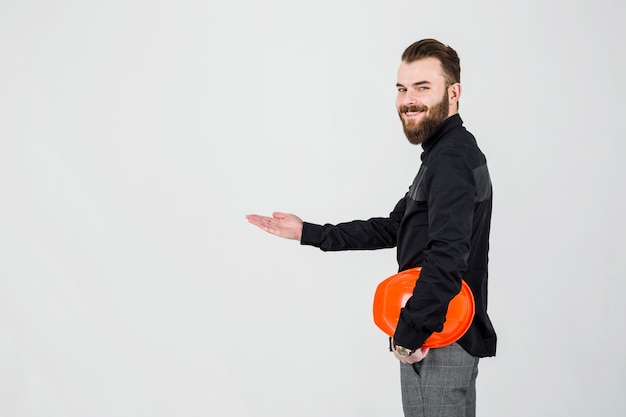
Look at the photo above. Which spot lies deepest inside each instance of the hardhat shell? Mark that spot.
(392, 294)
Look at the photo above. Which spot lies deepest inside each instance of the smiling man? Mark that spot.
(441, 224)
(426, 97)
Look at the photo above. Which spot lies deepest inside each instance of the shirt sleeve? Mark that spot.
(450, 191)
(375, 233)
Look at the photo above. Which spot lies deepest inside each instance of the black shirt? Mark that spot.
(441, 224)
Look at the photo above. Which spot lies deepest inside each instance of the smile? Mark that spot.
(411, 115)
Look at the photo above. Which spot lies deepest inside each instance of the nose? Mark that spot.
(408, 98)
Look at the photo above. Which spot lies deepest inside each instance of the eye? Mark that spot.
(422, 88)
(401, 90)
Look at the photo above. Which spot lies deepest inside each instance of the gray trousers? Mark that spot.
(441, 385)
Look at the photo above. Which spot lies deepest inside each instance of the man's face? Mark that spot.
(423, 100)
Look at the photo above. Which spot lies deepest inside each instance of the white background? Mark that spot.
(136, 135)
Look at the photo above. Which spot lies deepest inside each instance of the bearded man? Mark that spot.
(441, 224)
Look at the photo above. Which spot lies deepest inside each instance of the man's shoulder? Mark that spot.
(460, 145)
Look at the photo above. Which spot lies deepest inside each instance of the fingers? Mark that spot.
(255, 219)
(264, 222)
(419, 355)
(271, 225)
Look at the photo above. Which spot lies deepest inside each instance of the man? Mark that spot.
(441, 224)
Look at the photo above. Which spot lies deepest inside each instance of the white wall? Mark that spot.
(135, 136)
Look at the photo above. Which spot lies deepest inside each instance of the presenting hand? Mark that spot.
(288, 226)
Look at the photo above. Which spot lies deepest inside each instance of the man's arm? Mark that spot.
(375, 233)
(451, 192)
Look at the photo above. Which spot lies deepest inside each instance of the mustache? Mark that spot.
(404, 109)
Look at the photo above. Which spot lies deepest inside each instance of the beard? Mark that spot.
(418, 133)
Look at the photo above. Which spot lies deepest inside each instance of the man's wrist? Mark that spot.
(403, 351)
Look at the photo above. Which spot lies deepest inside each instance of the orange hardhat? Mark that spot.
(392, 294)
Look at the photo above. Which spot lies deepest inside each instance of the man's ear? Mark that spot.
(454, 94)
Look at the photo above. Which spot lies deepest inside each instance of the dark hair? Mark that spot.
(431, 48)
